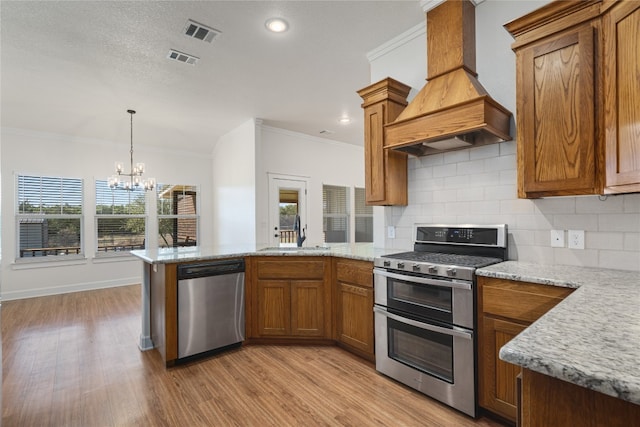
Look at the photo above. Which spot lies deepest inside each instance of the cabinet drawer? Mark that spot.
(298, 268)
(519, 300)
(355, 272)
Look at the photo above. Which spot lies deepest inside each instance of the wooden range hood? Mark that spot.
(452, 111)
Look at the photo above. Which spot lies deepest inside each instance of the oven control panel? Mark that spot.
(475, 235)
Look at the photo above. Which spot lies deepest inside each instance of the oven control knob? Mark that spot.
(433, 269)
(400, 265)
(386, 264)
(416, 267)
(451, 272)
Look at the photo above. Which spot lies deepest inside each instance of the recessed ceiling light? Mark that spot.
(344, 120)
(277, 25)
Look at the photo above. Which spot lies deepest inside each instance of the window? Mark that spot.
(49, 216)
(364, 217)
(335, 214)
(177, 215)
(120, 219)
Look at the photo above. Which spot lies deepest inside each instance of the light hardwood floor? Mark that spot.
(72, 360)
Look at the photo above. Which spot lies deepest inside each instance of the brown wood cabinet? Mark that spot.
(353, 287)
(289, 297)
(385, 170)
(548, 401)
(506, 308)
(573, 58)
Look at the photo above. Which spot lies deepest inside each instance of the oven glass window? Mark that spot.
(426, 351)
(425, 300)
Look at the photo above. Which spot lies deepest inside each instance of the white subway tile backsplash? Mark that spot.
(508, 147)
(610, 241)
(556, 205)
(485, 179)
(582, 257)
(631, 242)
(469, 194)
(632, 203)
(500, 192)
(507, 162)
(508, 177)
(593, 204)
(442, 196)
(458, 181)
(517, 206)
(444, 170)
(576, 222)
(471, 168)
(456, 156)
(619, 222)
(620, 260)
(479, 185)
(484, 152)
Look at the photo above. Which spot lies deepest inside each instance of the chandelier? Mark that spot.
(132, 180)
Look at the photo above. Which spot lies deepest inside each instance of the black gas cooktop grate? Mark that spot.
(448, 259)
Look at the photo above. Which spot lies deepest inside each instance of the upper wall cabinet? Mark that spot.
(578, 98)
(385, 170)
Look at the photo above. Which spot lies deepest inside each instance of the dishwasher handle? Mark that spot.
(211, 268)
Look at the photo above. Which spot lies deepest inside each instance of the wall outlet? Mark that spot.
(557, 238)
(576, 239)
(391, 232)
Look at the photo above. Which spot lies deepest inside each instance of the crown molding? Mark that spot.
(399, 40)
(427, 5)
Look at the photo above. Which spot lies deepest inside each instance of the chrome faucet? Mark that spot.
(301, 231)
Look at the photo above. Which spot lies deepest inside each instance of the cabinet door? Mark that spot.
(497, 389)
(355, 316)
(274, 307)
(622, 97)
(374, 164)
(307, 308)
(556, 115)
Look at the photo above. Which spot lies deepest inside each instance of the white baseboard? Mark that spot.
(41, 292)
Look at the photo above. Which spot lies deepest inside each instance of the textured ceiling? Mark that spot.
(75, 67)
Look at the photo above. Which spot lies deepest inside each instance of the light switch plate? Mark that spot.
(557, 238)
(576, 239)
(391, 232)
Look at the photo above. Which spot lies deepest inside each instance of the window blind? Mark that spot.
(335, 214)
(49, 216)
(120, 219)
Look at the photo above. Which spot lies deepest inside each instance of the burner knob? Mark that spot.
(386, 264)
(433, 269)
(451, 272)
(416, 267)
(400, 265)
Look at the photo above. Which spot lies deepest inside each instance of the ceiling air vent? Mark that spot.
(182, 57)
(200, 32)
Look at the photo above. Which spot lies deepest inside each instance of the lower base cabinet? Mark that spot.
(354, 306)
(506, 308)
(548, 401)
(289, 297)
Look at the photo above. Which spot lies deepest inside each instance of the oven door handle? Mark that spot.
(456, 332)
(422, 280)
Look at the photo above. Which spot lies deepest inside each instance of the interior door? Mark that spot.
(287, 198)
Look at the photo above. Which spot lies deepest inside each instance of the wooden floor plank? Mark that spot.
(72, 360)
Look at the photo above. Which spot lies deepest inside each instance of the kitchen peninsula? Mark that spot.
(580, 359)
(159, 289)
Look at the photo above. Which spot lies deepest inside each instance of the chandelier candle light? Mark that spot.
(135, 173)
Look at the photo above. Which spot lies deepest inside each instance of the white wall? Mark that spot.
(322, 161)
(27, 152)
(234, 186)
(478, 185)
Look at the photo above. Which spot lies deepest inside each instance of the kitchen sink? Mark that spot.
(295, 249)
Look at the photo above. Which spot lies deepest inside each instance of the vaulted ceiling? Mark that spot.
(75, 67)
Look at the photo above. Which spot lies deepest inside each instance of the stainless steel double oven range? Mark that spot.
(425, 310)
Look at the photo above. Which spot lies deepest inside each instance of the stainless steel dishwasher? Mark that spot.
(210, 306)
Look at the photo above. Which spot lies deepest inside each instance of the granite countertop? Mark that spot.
(357, 251)
(592, 338)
